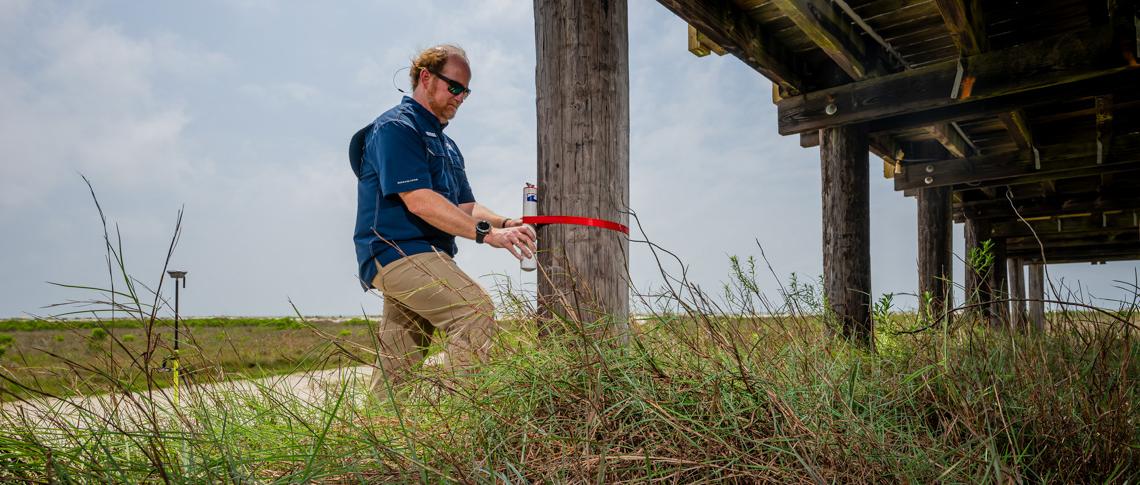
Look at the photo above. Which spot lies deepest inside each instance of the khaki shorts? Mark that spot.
(423, 293)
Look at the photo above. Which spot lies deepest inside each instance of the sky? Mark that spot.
(239, 113)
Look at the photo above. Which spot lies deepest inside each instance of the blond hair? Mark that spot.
(433, 59)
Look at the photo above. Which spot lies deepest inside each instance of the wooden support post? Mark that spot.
(1016, 273)
(999, 282)
(847, 230)
(935, 251)
(979, 291)
(582, 83)
(1036, 297)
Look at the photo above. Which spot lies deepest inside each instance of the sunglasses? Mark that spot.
(453, 87)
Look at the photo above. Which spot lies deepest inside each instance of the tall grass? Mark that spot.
(745, 388)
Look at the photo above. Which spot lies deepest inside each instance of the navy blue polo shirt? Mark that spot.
(403, 150)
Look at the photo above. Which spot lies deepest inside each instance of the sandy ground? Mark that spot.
(82, 411)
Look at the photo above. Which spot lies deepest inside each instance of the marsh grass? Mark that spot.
(742, 388)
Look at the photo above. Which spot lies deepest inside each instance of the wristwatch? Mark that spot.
(482, 229)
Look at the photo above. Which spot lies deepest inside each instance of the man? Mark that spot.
(413, 200)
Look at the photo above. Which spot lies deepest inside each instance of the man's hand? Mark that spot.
(519, 240)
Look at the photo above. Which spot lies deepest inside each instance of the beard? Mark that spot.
(442, 107)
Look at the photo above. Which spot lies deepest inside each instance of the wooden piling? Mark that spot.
(1036, 297)
(1016, 274)
(846, 229)
(582, 83)
(935, 250)
(979, 291)
(999, 284)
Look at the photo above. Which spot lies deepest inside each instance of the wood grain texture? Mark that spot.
(1015, 270)
(1023, 74)
(999, 283)
(1048, 162)
(978, 284)
(935, 249)
(846, 229)
(1036, 296)
(582, 83)
(732, 28)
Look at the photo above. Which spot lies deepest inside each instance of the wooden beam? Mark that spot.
(809, 139)
(1063, 66)
(1103, 240)
(1092, 224)
(829, 28)
(700, 45)
(1048, 207)
(731, 28)
(1080, 255)
(964, 21)
(1047, 162)
(951, 138)
(1036, 297)
(833, 31)
(847, 230)
(1018, 128)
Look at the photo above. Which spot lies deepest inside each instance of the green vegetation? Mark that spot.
(688, 398)
(5, 342)
(702, 390)
(68, 362)
(24, 324)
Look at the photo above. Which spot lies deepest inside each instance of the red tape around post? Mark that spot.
(578, 221)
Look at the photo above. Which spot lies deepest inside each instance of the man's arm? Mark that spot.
(432, 207)
(436, 210)
(482, 213)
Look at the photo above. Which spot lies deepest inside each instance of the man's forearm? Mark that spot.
(482, 213)
(440, 212)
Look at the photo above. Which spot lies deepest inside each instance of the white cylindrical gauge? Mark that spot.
(530, 209)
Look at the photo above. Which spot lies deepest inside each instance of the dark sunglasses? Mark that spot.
(453, 87)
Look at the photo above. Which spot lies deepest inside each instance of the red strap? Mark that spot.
(578, 221)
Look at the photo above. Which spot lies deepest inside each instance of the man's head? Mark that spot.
(440, 76)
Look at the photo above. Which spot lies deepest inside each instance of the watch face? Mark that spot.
(483, 227)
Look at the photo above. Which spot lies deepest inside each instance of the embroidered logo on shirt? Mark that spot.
(408, 181)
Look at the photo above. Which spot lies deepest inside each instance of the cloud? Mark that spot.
(83, 97)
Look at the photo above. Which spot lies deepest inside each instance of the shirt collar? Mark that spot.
(424, 114)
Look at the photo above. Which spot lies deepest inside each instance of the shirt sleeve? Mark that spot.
(401, 161)
(465, 195)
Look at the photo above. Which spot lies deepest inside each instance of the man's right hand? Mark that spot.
(519, 240)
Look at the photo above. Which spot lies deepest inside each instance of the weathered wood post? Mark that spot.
(999, 285)
(846, 229)
(979, 291)
(935, 250)
(1016, 273)
(1036, 296)
(582, 82)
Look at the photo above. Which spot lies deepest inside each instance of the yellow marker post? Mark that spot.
(178, 276)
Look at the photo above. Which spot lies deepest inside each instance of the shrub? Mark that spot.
(5, 342)
(98, 334)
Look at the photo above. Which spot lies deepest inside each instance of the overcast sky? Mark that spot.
(240, 111)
